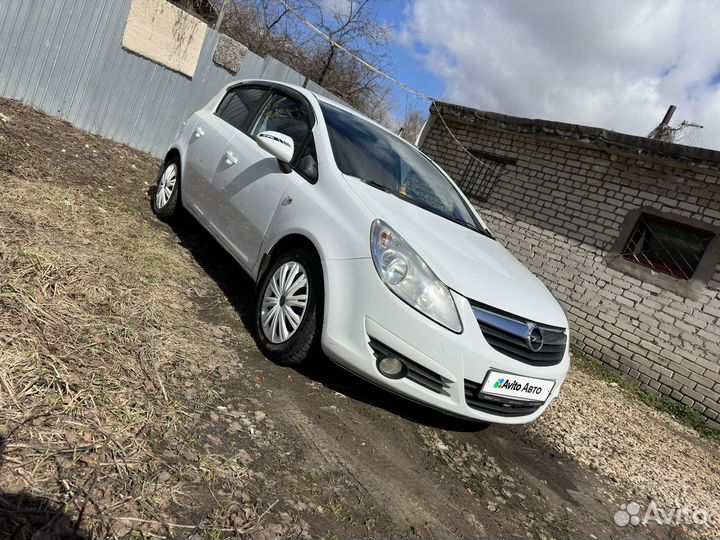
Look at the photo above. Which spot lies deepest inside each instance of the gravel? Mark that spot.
(644, 451)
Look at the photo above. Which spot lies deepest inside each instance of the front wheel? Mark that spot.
(288, 311)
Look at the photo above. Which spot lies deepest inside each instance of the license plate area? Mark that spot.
(516, 388)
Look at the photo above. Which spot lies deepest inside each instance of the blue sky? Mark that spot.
(408, 65)
(407, 68)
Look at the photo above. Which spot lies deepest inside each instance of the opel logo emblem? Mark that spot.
(534, 338)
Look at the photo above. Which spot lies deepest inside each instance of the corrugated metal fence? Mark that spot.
(64, 58)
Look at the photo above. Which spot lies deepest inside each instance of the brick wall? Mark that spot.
(559, 210)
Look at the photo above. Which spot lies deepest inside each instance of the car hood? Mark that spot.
(468, 262)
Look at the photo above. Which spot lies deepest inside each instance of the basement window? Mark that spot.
(482, 174)
(666, 246)
(671, 251)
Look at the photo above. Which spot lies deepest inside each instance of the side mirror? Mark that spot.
(279, 145)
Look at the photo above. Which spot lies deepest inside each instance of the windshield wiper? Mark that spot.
(381, 187)
(450, 217)
(461, 222)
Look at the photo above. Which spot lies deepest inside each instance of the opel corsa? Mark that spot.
(362, 246)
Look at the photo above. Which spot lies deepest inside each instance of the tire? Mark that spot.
(166, 199)
(302, 343)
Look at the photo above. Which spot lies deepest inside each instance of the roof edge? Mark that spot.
(599, 137)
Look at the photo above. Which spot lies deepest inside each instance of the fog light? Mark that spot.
(391, 367)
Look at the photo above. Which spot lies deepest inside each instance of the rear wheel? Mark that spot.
(167, 193)
(288, 311)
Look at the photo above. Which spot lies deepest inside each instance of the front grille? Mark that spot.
(508, 334)
(415, 372)
(495, 404)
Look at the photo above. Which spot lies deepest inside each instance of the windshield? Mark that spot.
(369, 153)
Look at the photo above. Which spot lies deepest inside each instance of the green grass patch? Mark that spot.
(682, 413)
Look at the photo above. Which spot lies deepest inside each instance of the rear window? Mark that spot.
(237, 105)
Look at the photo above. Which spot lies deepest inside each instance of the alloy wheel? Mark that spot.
(284, 302)
(166, 186)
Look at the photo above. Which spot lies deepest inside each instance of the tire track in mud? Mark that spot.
(358, 448)
(399, 488)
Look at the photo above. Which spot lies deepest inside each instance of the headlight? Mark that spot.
(407, 275)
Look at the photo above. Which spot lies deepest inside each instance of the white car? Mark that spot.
(362, 246)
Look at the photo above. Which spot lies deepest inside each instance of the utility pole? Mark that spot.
(663, 132)
(221, 15)
(668, 116)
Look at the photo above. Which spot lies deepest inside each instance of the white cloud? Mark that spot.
(616, 64)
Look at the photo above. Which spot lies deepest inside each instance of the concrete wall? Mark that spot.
(165, 34)
(560, 208)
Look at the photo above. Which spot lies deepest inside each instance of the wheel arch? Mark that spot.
(173, 152)
(290, 241)
(283, 245)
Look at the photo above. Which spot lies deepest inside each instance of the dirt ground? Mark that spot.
(134, 401)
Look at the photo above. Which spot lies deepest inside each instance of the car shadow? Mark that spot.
(340, 380)
(25, 516)
(239, 290)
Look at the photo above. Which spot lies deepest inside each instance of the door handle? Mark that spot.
(199, 132)
(230, 158)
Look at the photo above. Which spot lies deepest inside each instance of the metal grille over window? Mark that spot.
(482, 174)
(666, 246)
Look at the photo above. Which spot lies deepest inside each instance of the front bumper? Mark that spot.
(360, 309)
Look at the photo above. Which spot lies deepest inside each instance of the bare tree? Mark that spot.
(412, 125)
(264, 27)
(206, 10)
(269, 28)
(351, 25)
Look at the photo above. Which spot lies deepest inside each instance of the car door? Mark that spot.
(250, 189)
(209, 151)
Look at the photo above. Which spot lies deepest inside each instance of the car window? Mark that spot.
(286, 116)
(360, 151)
(237, 105)
(306, 163)
(367, 152)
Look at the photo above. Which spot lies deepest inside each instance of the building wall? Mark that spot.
(559, 210)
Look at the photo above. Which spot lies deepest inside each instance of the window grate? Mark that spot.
(482, 174)
(666, 246)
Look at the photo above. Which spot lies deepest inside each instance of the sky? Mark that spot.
(616, 64)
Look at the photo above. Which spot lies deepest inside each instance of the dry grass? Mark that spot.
(99, 392)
